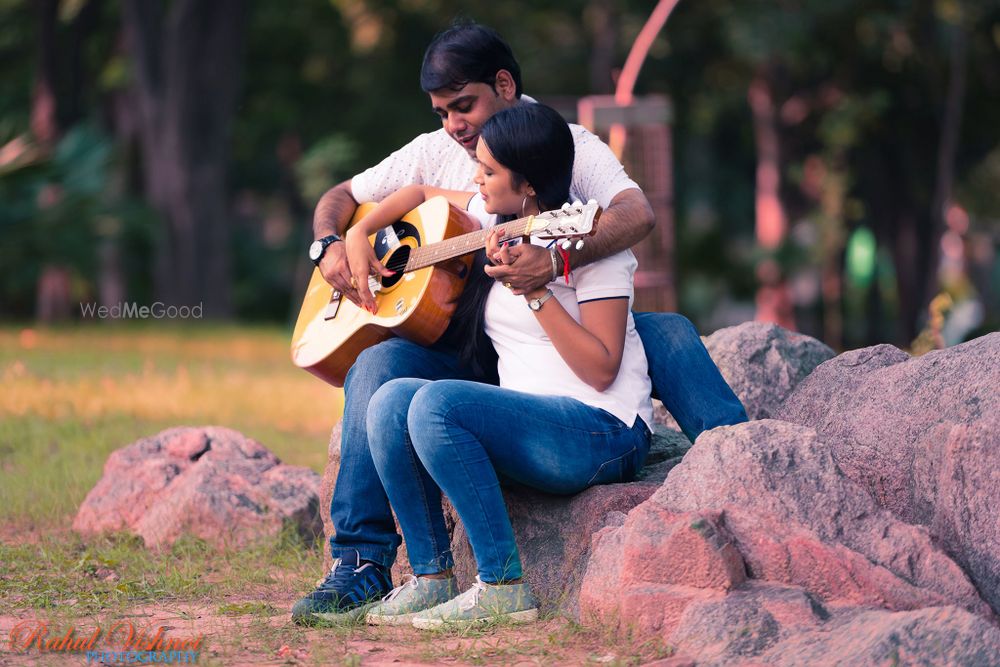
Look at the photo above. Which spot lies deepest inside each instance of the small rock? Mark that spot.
(210, 482)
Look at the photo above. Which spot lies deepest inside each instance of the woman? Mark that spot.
(572, 409)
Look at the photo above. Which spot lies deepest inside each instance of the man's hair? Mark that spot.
(467, 52)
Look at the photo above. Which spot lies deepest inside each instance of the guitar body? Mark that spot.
(331, 332)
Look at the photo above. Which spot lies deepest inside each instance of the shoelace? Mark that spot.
(340, 573)
(411, 582)
(470, 598)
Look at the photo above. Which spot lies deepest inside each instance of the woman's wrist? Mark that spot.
(536, 293)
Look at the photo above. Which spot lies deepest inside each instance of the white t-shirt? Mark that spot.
(529, 362)
(437, 160)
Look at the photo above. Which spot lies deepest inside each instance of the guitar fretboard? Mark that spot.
(457, 246)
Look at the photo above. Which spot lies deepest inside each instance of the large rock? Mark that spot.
(769, 495)
(553, 536)
(923, 436)
(762, 363)
(210, 482)
(924, 637)
(768, 624)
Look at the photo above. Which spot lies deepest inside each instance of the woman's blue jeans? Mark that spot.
(458, 436)
(684, 377)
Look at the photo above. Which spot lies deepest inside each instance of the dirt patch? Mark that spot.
(259, 632)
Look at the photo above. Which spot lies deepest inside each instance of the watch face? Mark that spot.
(315, 250)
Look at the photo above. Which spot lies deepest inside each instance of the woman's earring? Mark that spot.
(524, 205)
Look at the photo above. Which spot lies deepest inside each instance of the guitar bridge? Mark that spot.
(334, 306)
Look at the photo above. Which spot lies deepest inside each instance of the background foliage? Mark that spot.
(327, 87)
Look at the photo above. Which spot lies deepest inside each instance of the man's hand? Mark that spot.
(521, 268)
(333, 213)
(337, 271)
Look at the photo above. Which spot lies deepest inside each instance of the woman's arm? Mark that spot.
(592, 347)
(360, 254)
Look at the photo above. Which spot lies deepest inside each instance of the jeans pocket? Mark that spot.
(620, 469)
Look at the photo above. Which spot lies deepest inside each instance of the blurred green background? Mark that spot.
(834, 164)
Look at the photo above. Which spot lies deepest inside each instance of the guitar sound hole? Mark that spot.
(396, 261)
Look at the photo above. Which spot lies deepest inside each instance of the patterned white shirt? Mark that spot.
(437, 160)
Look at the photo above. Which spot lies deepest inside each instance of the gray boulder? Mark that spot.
(762, 363)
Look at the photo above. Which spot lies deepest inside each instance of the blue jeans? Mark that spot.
(458, 436)
(684, 377)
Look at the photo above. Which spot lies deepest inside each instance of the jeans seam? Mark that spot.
(617, 458)
(613, 430)
(435, 547)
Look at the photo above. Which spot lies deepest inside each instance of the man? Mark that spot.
(470, 73)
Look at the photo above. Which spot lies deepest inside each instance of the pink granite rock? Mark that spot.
(642, 575)
(553, 537)
(796, 519)
(923, 436)
(766, 495)
(924, 637)
(210, 482)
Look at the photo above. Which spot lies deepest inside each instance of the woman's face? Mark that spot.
(496, 184)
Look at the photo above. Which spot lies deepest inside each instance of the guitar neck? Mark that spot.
(457, 246)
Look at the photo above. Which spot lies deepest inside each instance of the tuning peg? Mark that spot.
(591, 202)
(579, 244)
(566, 243)
(578, 203)
(565, 207)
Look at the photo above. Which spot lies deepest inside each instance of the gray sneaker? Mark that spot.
(480, 604)
(418, 594)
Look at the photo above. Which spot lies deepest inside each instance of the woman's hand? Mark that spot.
(363, 263)
(522, 268)
(501, 256)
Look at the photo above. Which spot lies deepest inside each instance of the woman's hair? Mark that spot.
(535, 143)
(467, 53)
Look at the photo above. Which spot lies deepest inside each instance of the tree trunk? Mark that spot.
(947, 149)
(187, 69)
(602, 20)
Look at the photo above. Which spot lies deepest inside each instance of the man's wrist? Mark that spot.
(557, 263)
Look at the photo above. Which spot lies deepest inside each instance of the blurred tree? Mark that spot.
(188, 63)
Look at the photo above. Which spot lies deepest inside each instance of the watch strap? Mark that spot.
(325, 241)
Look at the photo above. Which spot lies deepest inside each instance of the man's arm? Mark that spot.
(625, 222)
(334, 210)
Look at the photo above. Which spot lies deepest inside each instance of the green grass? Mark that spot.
(70, 396)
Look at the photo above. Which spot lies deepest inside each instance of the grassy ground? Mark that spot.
(70, 396)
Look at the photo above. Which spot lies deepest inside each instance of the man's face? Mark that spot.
(464, 111)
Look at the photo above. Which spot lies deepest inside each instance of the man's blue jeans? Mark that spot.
(684, 377)
(459, 436)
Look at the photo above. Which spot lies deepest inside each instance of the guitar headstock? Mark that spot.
(572, 220)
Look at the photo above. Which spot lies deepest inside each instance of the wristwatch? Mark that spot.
(536, 304)
(318, 247)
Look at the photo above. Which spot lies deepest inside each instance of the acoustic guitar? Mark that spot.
(431, 250)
